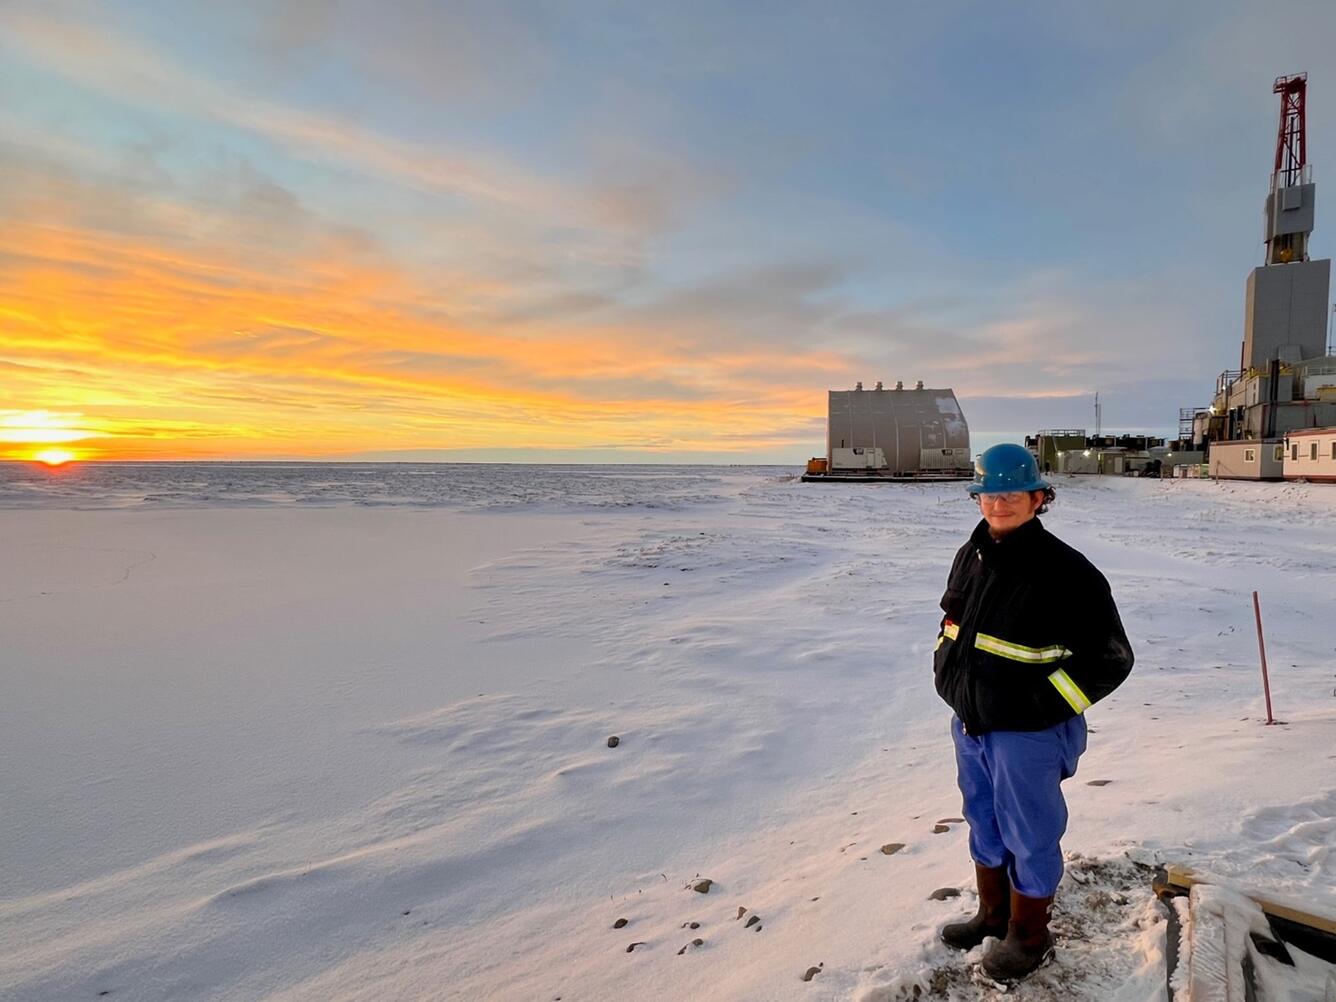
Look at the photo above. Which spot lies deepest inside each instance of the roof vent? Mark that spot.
(918, 385)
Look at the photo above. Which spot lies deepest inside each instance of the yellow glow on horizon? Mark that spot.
(55, 457)
(327, 354)
(41, 427)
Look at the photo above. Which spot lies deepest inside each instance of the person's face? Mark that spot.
(1007, 512)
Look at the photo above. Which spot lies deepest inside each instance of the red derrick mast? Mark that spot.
(1289, 207)
(1291, 145)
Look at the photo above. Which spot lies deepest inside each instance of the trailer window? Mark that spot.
(1294, 452)
(1250, 455)
(1312, 451)
(1333, 448)
(1280, 451)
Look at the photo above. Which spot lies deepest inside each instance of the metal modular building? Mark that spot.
(1311, 455)
(1051, 441)
(897, 434)
(1251, 459)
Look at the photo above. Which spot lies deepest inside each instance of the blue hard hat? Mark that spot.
(1005, 468)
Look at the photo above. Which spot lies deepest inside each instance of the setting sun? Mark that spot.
(54, 457)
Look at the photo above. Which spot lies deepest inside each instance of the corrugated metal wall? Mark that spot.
(915, 429)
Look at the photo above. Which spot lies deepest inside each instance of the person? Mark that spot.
(1029, 640)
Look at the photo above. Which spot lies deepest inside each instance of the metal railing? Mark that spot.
(1226, 379)
(1187, 417)
(1304, 176)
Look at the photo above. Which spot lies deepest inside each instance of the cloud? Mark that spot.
(327, 347)
(324, 350)
(113, 63)
(458, 228)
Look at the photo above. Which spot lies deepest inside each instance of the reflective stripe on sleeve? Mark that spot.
(1070, 691)
(949, 632)
(1019, 652)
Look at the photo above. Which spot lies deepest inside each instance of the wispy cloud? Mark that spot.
(115, 65)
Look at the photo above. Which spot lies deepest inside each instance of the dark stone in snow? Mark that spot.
(951, 821)
(752, 921)
(942, 893)
(1099, 782)
(633, 946)
(620, 923)
(891, 848)
(811, 973)
(939, 829)
(741, 912)
(614, 741)
(703, 886)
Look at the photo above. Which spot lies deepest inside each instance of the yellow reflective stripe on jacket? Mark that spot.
(949, 632)
(1070, 691)
(1019, 652)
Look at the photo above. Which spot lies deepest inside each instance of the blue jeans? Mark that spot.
(1011, 782)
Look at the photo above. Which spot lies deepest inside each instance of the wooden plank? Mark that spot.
(1184, 877)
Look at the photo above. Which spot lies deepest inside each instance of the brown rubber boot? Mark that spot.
(994, 910)
(1028, 944)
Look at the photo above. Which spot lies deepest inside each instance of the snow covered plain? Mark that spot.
(341, 732)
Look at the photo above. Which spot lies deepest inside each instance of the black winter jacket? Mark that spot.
(1031, 636)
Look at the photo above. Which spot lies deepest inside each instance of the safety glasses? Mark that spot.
(1009, 498)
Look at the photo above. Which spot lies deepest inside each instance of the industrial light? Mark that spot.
(1087, 452)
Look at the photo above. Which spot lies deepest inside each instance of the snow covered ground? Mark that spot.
(328, 738)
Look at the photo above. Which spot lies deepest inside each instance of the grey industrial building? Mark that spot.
(894, 434)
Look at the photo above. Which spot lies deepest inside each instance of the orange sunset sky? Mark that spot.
(590, 232)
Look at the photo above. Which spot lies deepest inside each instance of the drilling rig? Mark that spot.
(1285, 381)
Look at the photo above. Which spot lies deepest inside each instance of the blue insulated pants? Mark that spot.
(1011, 781)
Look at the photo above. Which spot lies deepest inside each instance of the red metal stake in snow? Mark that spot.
(1261, 647)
